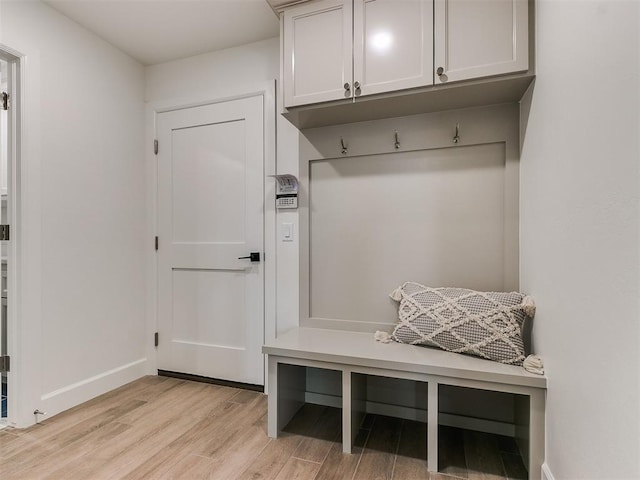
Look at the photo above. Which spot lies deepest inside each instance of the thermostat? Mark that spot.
(286, 191)
(286, 201)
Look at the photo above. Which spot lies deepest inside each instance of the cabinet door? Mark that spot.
(317, 52)
(393, 45)
(479, 38)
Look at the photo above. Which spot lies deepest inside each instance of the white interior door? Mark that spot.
(210, 213)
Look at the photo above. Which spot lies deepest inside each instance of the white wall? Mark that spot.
(214, 74)
(373, 171)
(82, 329)
(579, 233)
(223, 74)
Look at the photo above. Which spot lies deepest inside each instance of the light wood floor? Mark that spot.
(165, 428)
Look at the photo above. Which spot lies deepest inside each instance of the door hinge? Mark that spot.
(155, 339)
(5, 364)
(5, 101)
(155, 147)
(4, 232)
(156, 243)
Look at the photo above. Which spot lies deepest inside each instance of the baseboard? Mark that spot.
(71, 395)
(409, 413)
(324, 400)
(546, 472)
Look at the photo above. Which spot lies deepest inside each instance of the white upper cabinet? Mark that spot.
(393, 45)
(336, 49)
(480, 38)
(398, 55)
(317, 52)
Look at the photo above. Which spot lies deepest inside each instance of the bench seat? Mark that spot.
(355, 348)
(357, 354)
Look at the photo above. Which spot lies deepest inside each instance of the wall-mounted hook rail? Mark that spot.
(396, 145)
(456, 138)
(344, 147)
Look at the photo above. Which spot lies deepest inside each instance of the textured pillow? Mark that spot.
(485, 324)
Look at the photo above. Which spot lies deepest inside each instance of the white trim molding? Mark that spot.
(546, 472)
(19, 394)
(59, 400)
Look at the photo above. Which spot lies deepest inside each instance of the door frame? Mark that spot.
(266, 90)
(17, 393)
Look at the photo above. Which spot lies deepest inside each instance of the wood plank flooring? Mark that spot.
(165, 428)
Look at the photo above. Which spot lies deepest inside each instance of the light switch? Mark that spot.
(287, 232)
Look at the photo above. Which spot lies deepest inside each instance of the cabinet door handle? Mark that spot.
(440, 71)
(347, 87)
(357, 85)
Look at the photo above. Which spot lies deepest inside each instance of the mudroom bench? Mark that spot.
(357, 355)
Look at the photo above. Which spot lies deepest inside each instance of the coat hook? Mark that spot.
(456, 139)
(397, 143)
(344, 147)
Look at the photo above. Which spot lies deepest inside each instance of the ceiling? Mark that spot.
(156, 31)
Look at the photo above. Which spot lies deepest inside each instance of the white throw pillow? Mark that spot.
(485, 324)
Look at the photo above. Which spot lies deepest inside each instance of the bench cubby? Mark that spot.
(357, 355)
